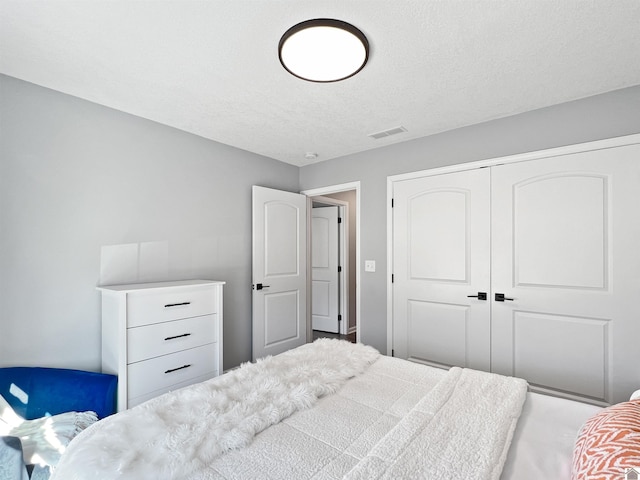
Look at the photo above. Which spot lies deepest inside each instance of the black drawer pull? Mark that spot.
(178, 336)
(168, 305)
(175, 369)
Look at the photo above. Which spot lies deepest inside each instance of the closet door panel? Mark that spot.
(545, 361)
(559, 230)
(438, 332)
(441, 258)
(561, 219)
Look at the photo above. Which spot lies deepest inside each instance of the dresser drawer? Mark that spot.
(151, 341)
(144, 308)
(132, 402)
(161, 373)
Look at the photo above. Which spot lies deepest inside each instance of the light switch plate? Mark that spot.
(369, 265)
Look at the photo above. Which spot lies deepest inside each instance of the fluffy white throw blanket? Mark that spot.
(462, 429)
(178, 434)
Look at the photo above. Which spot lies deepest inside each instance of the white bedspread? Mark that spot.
(392, 403)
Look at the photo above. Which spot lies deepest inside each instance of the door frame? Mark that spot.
(343, 258)
(521, 157)
(321, 191)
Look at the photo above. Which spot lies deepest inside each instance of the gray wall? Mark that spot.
(80, 186)
(81, 183)
(604, 116)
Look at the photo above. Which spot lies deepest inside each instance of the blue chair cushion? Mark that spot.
(34, 392)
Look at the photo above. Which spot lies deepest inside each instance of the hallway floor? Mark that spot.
(318, 334)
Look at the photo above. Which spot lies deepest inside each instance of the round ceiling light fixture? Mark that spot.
(323, 50)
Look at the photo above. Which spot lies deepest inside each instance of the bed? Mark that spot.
(332, 410)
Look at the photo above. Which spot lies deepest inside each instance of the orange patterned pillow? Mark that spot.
(608, 445)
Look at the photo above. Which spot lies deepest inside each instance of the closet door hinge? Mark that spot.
(339, 219)
(392, 203)
(392, 278)
(339, 318)
(393, 353)
(339, 268)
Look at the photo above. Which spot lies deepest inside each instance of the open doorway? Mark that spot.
(330, 268)
(346, 198)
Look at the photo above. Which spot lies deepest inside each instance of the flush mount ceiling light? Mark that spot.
(323, 50)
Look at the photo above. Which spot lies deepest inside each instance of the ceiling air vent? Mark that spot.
(387, 133)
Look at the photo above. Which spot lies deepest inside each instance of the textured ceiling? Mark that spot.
(211, 67)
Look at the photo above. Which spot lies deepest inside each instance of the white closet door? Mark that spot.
(441, 258)
(565, 236)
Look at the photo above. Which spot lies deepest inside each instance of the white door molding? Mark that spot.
(345, 187)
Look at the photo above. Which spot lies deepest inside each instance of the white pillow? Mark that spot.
(43, 439)
(635, 395)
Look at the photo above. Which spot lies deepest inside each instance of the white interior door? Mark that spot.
(565, 255)
(279, 274)
(441, 245)
(324, 263)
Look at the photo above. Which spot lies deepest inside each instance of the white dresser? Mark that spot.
(161, 336)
